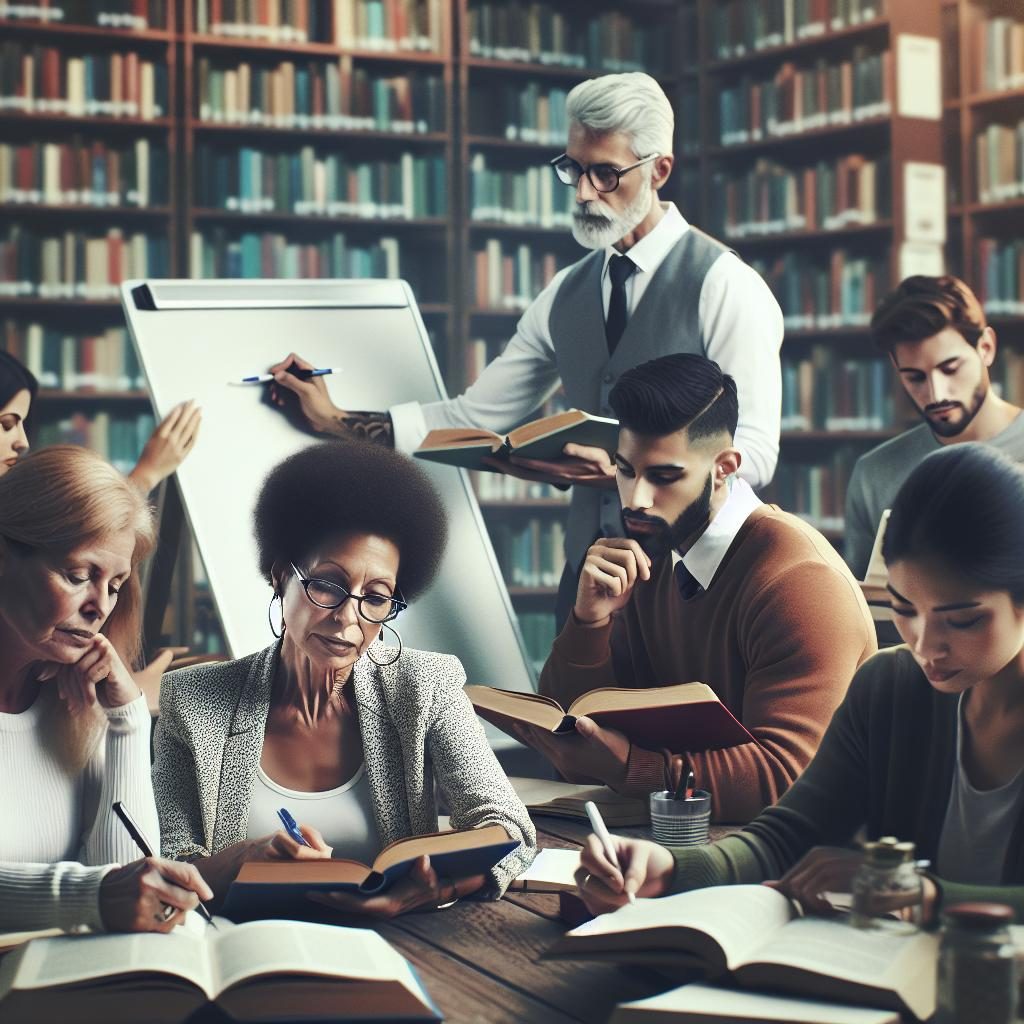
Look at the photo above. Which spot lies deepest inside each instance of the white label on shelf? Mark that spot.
(924, 191)
(921, 258)
(919, 82)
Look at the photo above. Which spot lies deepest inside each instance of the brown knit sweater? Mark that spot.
(778, 635)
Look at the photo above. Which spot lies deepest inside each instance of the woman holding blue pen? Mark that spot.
(335, 730)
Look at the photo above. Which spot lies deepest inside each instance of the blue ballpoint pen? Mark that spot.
(291, 826)
(266, 378)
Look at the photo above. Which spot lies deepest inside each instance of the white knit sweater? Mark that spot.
(58, 834)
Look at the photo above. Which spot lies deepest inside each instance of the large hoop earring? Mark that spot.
(384, 664)
(270, 616)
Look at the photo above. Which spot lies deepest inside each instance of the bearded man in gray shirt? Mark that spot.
(934, 331)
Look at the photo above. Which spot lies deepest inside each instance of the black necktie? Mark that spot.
(619, 269)
(686, 582)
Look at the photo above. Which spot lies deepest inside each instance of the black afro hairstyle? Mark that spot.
(351, 486)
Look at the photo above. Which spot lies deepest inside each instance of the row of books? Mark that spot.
(220, 253)
(74, 360)
(531, 553)
(816, 491)
(522, 112)
(822, 295)
(80, 173)
(322, 95)
(538, 630)
(77, 264)
(1001, 276)
(771, 198)
(802, 99)
(823, 391)
(1008, 374)
(509, 276)
(119, 438)
(999, 155)
(497, 487)
(310, 182)
(542, 33)
(378, 25)
(520, 197)
(134, 15)
(741, 27)
(998, 53)
(47, 80)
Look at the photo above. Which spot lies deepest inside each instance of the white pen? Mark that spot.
(602, 833)
(266, 378)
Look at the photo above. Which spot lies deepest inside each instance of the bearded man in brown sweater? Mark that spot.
(709, 584)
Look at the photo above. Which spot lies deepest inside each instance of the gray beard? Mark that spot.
(600, 231)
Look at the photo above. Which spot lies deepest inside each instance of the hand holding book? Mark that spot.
(580, 464)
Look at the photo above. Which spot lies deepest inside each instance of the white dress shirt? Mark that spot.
(741, 328)
(707, 552)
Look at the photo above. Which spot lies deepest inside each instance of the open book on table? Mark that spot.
(754, 933)
(542, 439)
(262, 971)
(687, 716)
(551, 871)
(568, 800)
(276, 888)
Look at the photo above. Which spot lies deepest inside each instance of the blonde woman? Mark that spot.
(74, 727)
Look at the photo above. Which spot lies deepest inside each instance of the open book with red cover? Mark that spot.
(687, 716)
(541, 439)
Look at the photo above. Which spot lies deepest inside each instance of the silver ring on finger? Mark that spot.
(166, 913)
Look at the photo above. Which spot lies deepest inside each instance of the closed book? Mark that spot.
(687, 716)
(541, 439)
(279, 888)
(263, 971)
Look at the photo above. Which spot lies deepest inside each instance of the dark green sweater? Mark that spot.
(886, 763)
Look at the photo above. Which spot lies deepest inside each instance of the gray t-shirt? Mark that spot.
(878, 475)
(978, 824)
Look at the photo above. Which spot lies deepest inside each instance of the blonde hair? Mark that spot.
(56, 500)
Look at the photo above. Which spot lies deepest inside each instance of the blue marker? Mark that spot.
(266, 378)
(291, 826)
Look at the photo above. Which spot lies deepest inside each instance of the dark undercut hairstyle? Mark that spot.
(962, 506)
(922, 307)
(344, 487)
(677, 392)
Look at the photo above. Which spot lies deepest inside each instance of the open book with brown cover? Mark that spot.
(569, 799)
(541, 439)
(753, 933)
(275, 888)
(262, 971)
(686, 716)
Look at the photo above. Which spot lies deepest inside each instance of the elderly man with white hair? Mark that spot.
(652, 285)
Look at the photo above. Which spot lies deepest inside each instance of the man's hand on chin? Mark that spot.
(591, 754)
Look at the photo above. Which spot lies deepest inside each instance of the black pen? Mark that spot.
(140, 841)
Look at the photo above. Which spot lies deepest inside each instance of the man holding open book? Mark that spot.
(707, 584)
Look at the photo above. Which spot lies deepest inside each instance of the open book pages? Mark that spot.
(551, 871)
(567, 799)
(877, 576)
(701, 1003)
(10, 940)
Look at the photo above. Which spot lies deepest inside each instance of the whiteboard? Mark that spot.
(198, 335)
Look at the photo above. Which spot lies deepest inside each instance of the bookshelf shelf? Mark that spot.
(321, 221)
(519, 229)
(350, 136)
(404, 57)
(812, 46)
(536, 70)
(68, 397)
(537, 592)
(803, 335)
(537, 504)
(1012, 99)
(70, 30)
(136, 125)
(869, 132)
(32, 304)
(497, 142)
(1010, 206)
(833, 236)
(836, 436)
(84, 211)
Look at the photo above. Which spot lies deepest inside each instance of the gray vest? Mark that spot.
(665, 321)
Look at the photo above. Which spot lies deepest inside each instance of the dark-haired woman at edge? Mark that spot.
(929, 743)
(347, 733)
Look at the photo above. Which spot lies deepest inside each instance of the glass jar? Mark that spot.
(977, 980)
(887, 889)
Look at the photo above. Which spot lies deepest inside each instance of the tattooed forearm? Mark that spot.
(370, 426)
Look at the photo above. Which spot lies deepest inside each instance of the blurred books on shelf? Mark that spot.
(510, 276)
(135, 15)
(997, 56)
(119, 438)
(823, 391)
(520, 112)
(816, 491)
(519, 197)
(999, 162)
(1001, 276)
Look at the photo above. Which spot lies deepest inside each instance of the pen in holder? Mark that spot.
(681, 818)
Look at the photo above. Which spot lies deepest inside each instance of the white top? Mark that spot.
(978, 824)
(343, 816)
(740, 324)
(53, 823)
(704, 558)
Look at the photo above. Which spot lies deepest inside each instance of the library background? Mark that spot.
(364, 138)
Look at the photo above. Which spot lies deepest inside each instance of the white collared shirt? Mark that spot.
(740, 325)
(704, 558)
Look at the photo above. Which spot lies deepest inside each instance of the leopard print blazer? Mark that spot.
(417, 726)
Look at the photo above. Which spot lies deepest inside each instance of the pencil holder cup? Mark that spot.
(680, 822)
